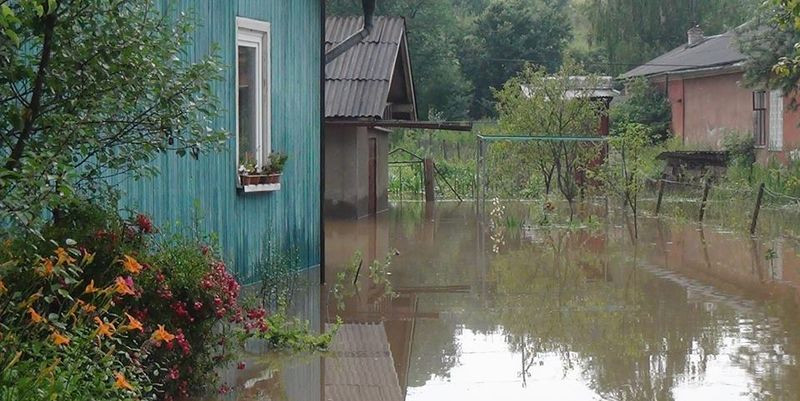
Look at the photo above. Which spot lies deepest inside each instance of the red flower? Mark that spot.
(240, 366)
(256, 313)
(144, 223)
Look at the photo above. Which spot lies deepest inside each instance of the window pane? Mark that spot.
(248, 107)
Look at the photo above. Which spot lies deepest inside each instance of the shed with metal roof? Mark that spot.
(370, 82)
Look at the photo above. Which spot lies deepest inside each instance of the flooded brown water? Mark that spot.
(498, 307)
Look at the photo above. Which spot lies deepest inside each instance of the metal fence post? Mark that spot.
(706, 188)
(660, 195)
(759, 198)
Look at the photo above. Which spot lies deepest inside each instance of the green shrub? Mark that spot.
(60, 340)
(646, 105)
(175, 291)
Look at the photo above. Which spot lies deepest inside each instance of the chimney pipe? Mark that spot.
(356, 38)
(695, 36)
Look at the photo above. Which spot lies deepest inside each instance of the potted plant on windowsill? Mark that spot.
(274, 170)
(248, 172)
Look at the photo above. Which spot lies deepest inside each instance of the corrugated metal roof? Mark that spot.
(357, 82)
(582, 86)
(714, 51)
(359, 366)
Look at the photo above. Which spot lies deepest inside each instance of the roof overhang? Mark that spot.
(697, 72)
(377, 123)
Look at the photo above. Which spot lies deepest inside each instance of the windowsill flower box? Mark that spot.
(264, 179)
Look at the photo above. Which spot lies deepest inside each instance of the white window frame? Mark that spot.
(776, 110)
(256, 34)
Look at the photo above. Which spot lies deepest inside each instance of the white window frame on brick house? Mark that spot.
(776, 111)
(255, 34)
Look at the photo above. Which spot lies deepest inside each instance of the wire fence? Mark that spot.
(733, 206)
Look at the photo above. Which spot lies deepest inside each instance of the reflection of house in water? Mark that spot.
(374, 323)
(360, 366)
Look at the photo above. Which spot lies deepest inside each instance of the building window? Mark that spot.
(776, 120)
(760, 118)
(253, 141)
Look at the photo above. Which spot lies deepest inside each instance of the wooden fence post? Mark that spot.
(759, 198)
(430, 196)
(660, 195)
(705, 199)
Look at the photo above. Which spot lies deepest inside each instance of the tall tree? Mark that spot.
(633, 31)
(771, 43)
(505, 36)
(91, 89)
(557, 105)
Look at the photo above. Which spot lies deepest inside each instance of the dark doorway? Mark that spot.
(373, 176)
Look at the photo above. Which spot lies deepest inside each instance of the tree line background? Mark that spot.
(461, 49)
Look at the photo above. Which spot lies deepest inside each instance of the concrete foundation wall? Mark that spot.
(347, 171)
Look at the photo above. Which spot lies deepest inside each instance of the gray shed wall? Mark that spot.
(347, 171)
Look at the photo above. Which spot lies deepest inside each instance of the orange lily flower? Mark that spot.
(64, 257)
(88, 308)
(88, 258)
(3, 288)
(133, 324)
(131, 265)
(121, 287)
(90, 288)
(121, 383)
(103, 328)
(162, 335)
(35, 317)
(31, 299)
(47, 268)
(59, 339)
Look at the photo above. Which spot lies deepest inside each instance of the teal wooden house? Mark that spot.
(271, 97)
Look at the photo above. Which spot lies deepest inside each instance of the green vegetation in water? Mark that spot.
(346, 284)
(278, 276)
(283, 333)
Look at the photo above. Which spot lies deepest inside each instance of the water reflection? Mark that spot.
(554, 313)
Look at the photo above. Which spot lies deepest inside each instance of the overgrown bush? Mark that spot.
(645, 105)
(160, 308)
(742, 156)
(62, 340)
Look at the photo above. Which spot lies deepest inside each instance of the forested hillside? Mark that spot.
(463, 48)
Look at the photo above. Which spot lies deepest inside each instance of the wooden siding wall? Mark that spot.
(245, 223)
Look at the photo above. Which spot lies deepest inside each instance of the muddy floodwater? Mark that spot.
(500, 307)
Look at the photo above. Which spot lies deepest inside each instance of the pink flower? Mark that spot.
(180, 338)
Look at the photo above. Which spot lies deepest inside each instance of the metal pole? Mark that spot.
(660, 195)
(401, 182)
(759, 198)
(478, 161)
(436, 169)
